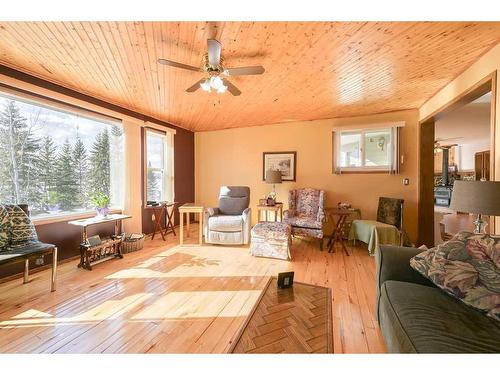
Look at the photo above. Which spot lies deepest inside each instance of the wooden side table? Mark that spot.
(338, 229)
(189, 208)
(86, 251)
(163, 212)
(277, 209)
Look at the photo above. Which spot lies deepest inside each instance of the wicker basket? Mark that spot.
(132, 244)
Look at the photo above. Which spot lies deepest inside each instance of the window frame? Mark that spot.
(166, 176)
(391, 167)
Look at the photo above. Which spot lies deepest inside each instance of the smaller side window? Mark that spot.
(365, 150)
(158, 166)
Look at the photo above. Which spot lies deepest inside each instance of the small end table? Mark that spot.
(84, 253)
(164, 211)
(277, 209)
(189, 208)
(337, 234)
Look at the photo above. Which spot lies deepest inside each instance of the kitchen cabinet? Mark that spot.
(482, 165)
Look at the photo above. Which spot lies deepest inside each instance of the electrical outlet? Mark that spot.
(406, 181)
(39, 261)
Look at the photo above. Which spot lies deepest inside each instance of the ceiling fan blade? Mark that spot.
(178, 65)
(245, 71)
(232, 88)
(214, 52)
(195, 87)
(448, 139)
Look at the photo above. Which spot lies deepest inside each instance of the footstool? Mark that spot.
(271, 240)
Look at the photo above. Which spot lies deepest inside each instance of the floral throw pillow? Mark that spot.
(468, 268)
(21, 230)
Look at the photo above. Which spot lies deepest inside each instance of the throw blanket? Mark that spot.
(374, 234)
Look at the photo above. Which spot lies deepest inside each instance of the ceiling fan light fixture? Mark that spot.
(216, 82)
(205, 85)
(222, 89)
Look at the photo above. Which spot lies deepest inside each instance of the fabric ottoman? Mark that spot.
(271, 240)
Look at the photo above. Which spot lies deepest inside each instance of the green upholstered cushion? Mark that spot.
(468, 268)
(21, 231)
(421, 319)
(4, 229)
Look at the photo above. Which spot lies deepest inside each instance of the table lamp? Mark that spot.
(477, 197)
(273, 177)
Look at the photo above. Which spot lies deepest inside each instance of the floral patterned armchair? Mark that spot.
(306, 213)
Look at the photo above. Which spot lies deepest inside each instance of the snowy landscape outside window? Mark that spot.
(54, 160)
(159, 166)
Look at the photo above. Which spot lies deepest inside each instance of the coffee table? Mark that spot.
(293, 320)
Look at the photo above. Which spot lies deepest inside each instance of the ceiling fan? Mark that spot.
(213, 65)
(438, 142)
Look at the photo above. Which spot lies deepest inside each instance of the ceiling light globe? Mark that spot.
(205, 85)
(216, 82)
(222, 89)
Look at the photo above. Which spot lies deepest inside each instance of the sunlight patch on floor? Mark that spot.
(111, 309)
(176, 305)
(201, 261)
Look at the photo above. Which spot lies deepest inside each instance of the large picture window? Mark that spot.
(159, 166)
(55, 160)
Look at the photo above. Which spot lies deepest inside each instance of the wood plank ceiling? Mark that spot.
(313, 70)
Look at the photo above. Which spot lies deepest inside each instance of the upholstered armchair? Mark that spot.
(306, 213)
(229, 224)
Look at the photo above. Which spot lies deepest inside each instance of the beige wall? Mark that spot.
(234, 157)
(487, 64)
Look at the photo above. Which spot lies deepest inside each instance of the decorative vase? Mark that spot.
(102, 211)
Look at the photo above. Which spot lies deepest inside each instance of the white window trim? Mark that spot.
(44, 220)
(392, 167)
(168, 136)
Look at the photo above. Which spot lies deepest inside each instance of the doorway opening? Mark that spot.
(456, 143)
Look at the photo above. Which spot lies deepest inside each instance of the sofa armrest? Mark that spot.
(247, 214)
(211, 211)
(393, 263)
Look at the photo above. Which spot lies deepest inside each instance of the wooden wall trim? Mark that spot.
(477, 90)
(426, 183)
(27, 78)
(493, 135)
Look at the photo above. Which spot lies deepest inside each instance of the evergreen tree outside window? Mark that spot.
(159, 166)
(55, 160)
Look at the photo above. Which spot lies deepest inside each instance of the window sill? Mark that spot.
(363, 171)
(69, 217)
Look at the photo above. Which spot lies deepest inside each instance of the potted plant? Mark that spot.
(101, 203)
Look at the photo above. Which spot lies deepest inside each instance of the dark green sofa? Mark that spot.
(417, 317)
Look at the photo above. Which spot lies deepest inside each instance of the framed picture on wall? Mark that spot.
(284, 161)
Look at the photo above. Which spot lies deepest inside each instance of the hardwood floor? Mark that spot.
(171, 299)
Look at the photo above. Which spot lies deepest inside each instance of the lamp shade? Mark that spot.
(476, 197)
(273, 177)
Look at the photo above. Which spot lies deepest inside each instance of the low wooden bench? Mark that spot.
(35, 249)
(32, 250)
